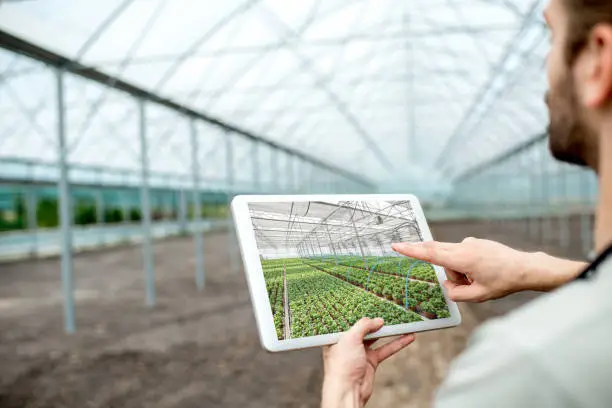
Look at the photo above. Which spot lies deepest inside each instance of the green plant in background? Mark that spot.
(13, 211)
(84, 213)
(47, 213)
(13, 218)
(135, 214)
(113, 215)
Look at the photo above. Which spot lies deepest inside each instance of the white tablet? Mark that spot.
(315, 264)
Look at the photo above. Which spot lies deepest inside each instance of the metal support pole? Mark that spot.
(411, 142)
(296, 175)
(183, 211)
(331, 242)
(167, 206)
(65, 210)
(365, 263)
(314, 187)
(125, 215)
(125, 204)
(100, 214)
(322, 180)
(274, 170)
(291, 174)
(256, 171)
(197, 207)
(231, 242)
(307, 177)
(31, 205)
(173, 205)
(145, 204)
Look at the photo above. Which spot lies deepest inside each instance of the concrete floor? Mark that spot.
(193, 349)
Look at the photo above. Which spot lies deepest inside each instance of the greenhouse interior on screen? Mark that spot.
(119, 128)
(326, 264)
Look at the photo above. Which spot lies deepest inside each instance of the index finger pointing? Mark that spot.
(437, 253)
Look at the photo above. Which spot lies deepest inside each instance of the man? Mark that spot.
(557, 350)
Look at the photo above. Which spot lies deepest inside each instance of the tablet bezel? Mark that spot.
(257, 285)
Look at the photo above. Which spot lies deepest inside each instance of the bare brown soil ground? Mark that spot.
(193, 349)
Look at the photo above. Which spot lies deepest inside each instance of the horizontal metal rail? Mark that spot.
(23, 47)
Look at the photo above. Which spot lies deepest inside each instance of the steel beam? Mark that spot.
(275, 183)
(20, 46)
(231, 236)
(340, 105)
(500, 158)
(256, 177)
(101, 29)
(489, 92)
(31, 205)
(100, 210)
(403, 35)
(183, 210)
(145, 205)
(65, 210)
(197, 207)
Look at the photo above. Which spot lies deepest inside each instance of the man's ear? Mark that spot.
(595, 68)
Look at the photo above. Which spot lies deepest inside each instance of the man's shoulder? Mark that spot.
(553, 352)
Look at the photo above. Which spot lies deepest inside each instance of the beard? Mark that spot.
(569, 136)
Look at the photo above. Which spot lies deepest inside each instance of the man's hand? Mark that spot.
(351, 363)
(480, 270)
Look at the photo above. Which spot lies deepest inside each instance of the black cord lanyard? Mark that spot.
(592, 268)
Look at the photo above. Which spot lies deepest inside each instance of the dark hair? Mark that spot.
(584, 15)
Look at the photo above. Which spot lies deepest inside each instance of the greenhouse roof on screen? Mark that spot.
(393, 92)
(332, 228)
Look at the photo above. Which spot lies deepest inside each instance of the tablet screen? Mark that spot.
(327, 264)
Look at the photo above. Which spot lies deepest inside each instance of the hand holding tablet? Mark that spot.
(315, 265)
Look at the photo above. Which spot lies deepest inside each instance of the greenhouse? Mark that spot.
(129, 125)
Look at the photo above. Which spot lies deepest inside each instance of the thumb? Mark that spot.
(364, 327)
(465, 293)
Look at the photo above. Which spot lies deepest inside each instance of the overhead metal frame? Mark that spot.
(330, 227)
(337, 102)
(405, 35)
(525, 17)
(65, 209)
(500, 158)
(22, 47)
(489, 92)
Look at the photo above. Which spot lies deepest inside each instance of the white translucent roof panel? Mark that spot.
(388, 89)
(317, 227)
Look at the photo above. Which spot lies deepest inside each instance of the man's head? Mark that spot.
(580, 77)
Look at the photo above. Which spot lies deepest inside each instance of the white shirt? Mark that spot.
(554, 352)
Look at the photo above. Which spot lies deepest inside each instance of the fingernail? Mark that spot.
(379, 320)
